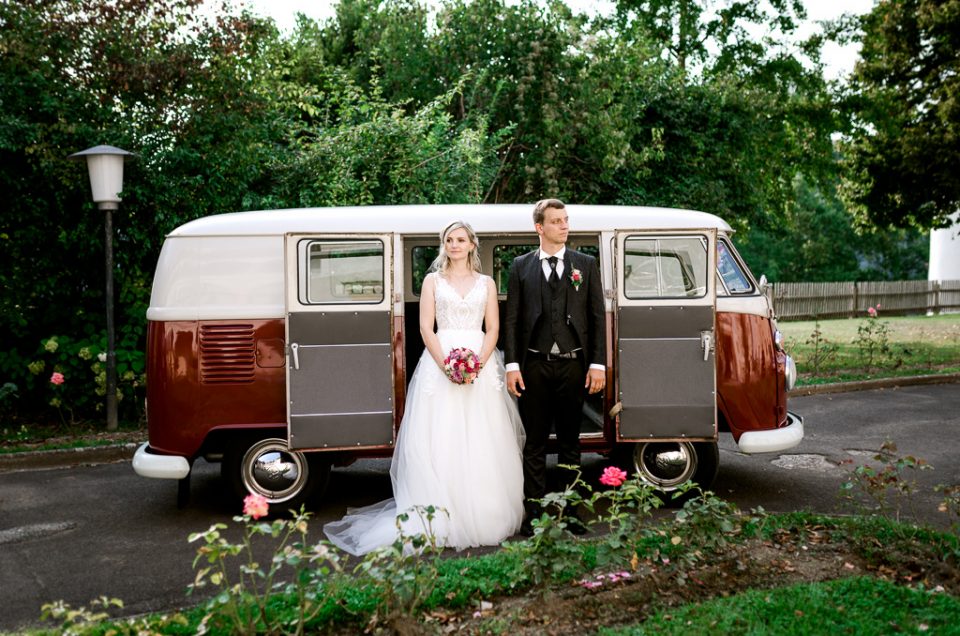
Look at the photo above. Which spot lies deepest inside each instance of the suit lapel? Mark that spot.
(567, 272)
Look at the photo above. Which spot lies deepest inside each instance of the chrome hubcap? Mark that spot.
(665, 465)
(271, 470)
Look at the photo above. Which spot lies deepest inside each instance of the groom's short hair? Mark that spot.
(541, 207)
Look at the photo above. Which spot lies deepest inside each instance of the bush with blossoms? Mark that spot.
(873, 339)
(71, 375)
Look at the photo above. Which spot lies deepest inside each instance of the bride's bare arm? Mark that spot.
(491, 321)
(428, 314)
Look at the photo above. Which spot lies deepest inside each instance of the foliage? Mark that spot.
(405, 572)
(678, 546)
(901, 160)
(711, 36)
(673, 104)
(84, 620)
(157, 78)
(823, 350)
(950, 504)
(873, 338)
(860, 605)
(817, 239)
(244, 604)
(918, 345)
(883, 489)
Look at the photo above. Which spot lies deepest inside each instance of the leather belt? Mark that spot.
(554, 357)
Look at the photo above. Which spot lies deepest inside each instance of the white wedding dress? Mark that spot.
(459, 447)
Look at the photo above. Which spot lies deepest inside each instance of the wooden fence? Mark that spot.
(795, 301)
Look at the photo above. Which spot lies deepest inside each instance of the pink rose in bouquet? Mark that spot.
(461, 365)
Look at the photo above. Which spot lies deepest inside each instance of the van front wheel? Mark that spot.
(267, 467)
(668, 465)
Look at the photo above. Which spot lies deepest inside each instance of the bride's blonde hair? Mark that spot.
(442, 261)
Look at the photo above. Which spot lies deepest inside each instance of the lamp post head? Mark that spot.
(105, 164)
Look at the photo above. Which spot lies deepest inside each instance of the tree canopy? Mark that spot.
(903, 160)
(682, 103)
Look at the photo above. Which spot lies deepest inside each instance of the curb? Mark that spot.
(868, 385)
(67, 457)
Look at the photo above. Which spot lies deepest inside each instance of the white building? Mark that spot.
(945, 252)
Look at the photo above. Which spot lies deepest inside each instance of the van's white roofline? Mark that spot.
(431, 219)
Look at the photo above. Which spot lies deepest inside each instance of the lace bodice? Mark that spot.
(456, 312)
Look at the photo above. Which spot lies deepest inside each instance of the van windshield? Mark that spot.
(734, 279)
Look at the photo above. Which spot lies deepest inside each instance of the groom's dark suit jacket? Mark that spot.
(585, 311)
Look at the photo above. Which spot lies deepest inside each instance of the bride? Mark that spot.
(460, 444)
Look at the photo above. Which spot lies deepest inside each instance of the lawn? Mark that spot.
(864, 348)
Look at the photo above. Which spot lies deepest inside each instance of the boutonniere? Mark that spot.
(576, 279)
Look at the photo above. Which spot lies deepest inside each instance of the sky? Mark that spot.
(838, 61)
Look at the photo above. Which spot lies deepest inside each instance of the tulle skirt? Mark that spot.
(459, 449)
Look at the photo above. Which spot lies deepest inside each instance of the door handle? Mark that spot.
(295, 351)
(706, 341)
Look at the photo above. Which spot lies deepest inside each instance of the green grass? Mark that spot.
(916, 345)
(856, 605)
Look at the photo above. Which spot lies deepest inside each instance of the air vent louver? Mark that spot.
(227, 354)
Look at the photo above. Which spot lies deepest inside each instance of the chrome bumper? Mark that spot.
(772, 441)
(147, 464)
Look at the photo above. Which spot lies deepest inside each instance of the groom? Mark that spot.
(554, 348)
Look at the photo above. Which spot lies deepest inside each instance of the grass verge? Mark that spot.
(853, 349)
(855, 605)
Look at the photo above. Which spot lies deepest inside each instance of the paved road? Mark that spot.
(81, 532)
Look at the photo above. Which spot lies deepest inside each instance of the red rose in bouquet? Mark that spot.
(461, 365)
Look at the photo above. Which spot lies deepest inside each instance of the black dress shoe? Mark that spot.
(526, 529)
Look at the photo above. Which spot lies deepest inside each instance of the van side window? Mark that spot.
(344, 271)
(664, 267)
(734, 279)
(503, 256)
(421, 257)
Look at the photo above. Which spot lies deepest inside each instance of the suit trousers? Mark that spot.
(553, 396)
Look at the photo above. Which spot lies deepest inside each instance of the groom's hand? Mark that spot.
(515, 383)
(596, 380)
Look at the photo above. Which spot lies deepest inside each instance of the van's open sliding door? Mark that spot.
(339, 351)
(666, 291)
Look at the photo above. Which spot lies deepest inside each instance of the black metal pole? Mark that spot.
(111, 350)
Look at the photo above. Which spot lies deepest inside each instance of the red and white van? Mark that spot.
(280, 342)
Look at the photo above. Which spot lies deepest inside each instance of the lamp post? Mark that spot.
(105, 164)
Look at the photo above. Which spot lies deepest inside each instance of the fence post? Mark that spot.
(936, 298)
(856, 299)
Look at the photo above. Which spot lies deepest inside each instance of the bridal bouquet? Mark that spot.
(461, 365)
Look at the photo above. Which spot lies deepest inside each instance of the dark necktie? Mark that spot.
(554, 277)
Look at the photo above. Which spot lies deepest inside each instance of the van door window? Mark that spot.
(734, 279)
(503, 256)
(665, 267)
(343, 271)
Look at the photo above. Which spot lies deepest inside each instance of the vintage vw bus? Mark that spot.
(280, 342)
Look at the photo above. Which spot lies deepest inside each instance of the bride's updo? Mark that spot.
(442, 261)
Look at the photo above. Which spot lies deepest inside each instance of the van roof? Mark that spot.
(431, 219)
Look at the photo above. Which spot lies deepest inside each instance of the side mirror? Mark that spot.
(763, 284)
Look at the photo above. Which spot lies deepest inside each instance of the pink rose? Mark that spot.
(255, 506)
(871, 312)
(57, 378)
(613, 476)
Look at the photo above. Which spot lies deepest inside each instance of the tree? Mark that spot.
(710, 35)
(147, 75)
(903, 159)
